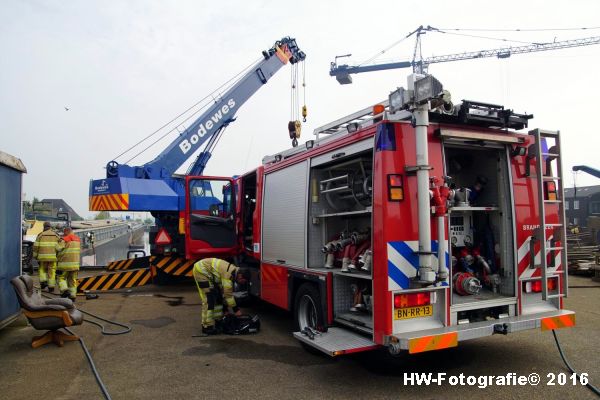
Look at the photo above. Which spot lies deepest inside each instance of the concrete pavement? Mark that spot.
(160, 358)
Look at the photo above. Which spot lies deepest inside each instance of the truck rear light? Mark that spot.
(412, 300)
(550, 190)
(395, 187)
(536, 286)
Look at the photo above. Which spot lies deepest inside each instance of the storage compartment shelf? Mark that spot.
(356, 321)
(483, 302)
(481, 230)
(469, 208)
(352, 274)
(346, 213)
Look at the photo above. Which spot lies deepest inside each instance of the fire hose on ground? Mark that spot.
(85, 349)
(593, 388)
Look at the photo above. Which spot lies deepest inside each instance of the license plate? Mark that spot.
(413, 312)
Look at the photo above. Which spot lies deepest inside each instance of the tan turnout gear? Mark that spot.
(68, 251)
(214, 279)
(44, 250)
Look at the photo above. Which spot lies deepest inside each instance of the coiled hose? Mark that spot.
(85, 349)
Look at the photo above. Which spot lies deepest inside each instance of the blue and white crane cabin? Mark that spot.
(153, 186)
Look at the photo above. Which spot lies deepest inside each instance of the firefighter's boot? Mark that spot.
(209, 331)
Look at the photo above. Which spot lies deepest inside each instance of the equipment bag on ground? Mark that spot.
(242, 325)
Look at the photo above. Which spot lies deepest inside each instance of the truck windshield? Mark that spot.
(211, 197)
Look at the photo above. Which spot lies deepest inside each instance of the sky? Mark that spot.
(124, 68)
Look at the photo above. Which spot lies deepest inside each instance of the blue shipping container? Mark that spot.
(11, 184)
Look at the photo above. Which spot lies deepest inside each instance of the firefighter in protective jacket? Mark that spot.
(44, 250)
(68, 254)
(214, 278)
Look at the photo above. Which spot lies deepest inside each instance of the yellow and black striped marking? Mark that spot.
(130, 263)
(177, 266)
(115, 280)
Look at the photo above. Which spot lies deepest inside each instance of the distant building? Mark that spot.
(59, 205)
(579, 206)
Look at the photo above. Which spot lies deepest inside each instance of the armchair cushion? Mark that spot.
(66, 303)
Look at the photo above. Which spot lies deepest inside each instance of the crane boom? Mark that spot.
(589, 170)
(505, 52)
(342, 72)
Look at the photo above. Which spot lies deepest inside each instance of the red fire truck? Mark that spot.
(413, 224)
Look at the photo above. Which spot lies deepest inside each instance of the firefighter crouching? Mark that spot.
(44, 250)
(69, 250)
(214, 278)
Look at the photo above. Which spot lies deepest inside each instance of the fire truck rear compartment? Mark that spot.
(481, 233)
(339, 231)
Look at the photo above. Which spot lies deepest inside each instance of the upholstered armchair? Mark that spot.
(46, 314)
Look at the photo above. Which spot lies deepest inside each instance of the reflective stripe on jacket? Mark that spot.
(220, 272)
(68, 250)
(44, 248)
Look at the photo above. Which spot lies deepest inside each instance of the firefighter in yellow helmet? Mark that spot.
(44, 250)
(68, 254)
(214, 278)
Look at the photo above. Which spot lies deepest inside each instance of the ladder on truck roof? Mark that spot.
(343, 126)
(559, 231)
(350, 123)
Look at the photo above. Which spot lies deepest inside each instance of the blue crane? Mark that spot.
(153, 185)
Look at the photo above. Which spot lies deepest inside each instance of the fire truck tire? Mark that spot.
(307, 309)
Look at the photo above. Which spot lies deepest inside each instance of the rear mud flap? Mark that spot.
(337, 341)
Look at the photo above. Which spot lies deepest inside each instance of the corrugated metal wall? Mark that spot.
(10, 240)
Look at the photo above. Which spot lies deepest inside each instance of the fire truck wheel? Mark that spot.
(307, 309)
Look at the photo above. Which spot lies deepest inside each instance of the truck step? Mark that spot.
(337, 341)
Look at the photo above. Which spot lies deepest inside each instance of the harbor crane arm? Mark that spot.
(589, 170)
(342, 72)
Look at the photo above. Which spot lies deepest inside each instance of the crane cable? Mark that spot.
(227, 84)
(486, 37)
(445, 30)
(294, 125)
(304, 109)
(389, 47)
(521, 30)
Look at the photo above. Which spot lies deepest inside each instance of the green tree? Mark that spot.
(40, 207)
(26, 206)
(102, 215)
